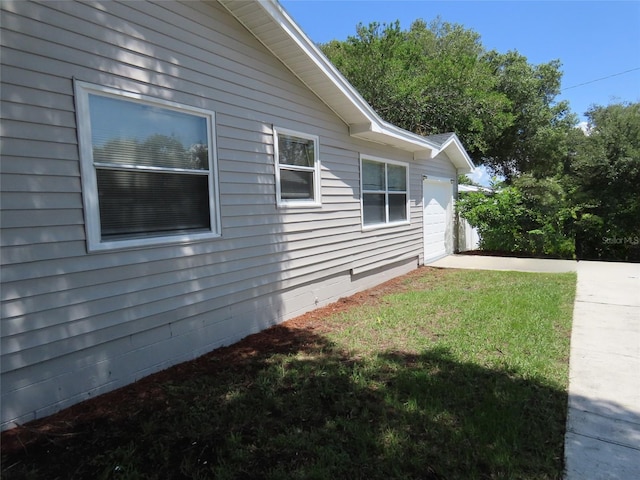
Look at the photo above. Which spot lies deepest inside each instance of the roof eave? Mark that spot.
(323, 78)
(454, 150)
(388, 134)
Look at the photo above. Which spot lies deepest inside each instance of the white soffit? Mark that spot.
(450, 144)
(276, 30)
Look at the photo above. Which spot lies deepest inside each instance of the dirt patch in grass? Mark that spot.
(149, 394)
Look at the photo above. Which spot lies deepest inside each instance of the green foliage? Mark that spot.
(548, 217)
(159, 150)
(564, 188)
(438, 77)
(536, 140)
(602, 176)
(495, 216)
(455, 374)
(531, 215)
(464, 180)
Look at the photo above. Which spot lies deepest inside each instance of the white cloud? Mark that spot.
(584, 126)
(480, 176)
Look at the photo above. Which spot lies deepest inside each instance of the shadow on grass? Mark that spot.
(288, 403)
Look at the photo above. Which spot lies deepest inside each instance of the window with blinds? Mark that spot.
(148, 169)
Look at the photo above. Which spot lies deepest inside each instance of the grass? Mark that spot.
(452, 375)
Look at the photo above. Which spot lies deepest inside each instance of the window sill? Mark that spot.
(380, 226)
(299, 205)
(144, 242)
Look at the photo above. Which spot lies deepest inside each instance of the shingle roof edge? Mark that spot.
(324, 79)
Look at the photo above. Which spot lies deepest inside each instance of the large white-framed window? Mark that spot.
(148, 169)
(385, 192)
(297, 164)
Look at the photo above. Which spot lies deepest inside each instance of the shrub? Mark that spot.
(530, 216)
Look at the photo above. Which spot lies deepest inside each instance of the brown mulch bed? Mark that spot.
(148, 393)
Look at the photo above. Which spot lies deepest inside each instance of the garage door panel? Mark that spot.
(437, 219)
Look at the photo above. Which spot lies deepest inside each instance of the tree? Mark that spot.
(530, 216)
(536, 141)
(437, 78)
(430, 79)
(602, 177)
(547, 219)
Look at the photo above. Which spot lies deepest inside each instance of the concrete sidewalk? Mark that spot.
(603, 422)
(478, 262)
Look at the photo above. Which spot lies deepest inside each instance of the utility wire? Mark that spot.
(600, 79)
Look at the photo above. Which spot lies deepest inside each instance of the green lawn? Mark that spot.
(451, 375)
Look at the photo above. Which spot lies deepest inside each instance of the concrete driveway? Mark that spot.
(603, 422)
(478, 262)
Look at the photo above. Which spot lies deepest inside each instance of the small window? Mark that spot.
(297, 169)
(384, 192)
(147, 169)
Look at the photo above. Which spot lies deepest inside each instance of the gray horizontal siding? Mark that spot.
(111, 317)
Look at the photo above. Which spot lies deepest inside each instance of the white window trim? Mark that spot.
(89, 179)
(317, 189)
(375, 226)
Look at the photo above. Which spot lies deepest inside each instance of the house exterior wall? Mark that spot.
(77, 324)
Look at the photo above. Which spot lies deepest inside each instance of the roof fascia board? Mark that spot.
(400, 133)
(465, 160)
(383, 132)
(280, 15)
(455, 152)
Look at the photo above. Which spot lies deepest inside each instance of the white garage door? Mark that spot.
(438, 218)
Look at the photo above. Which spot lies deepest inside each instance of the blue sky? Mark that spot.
(592, 39)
